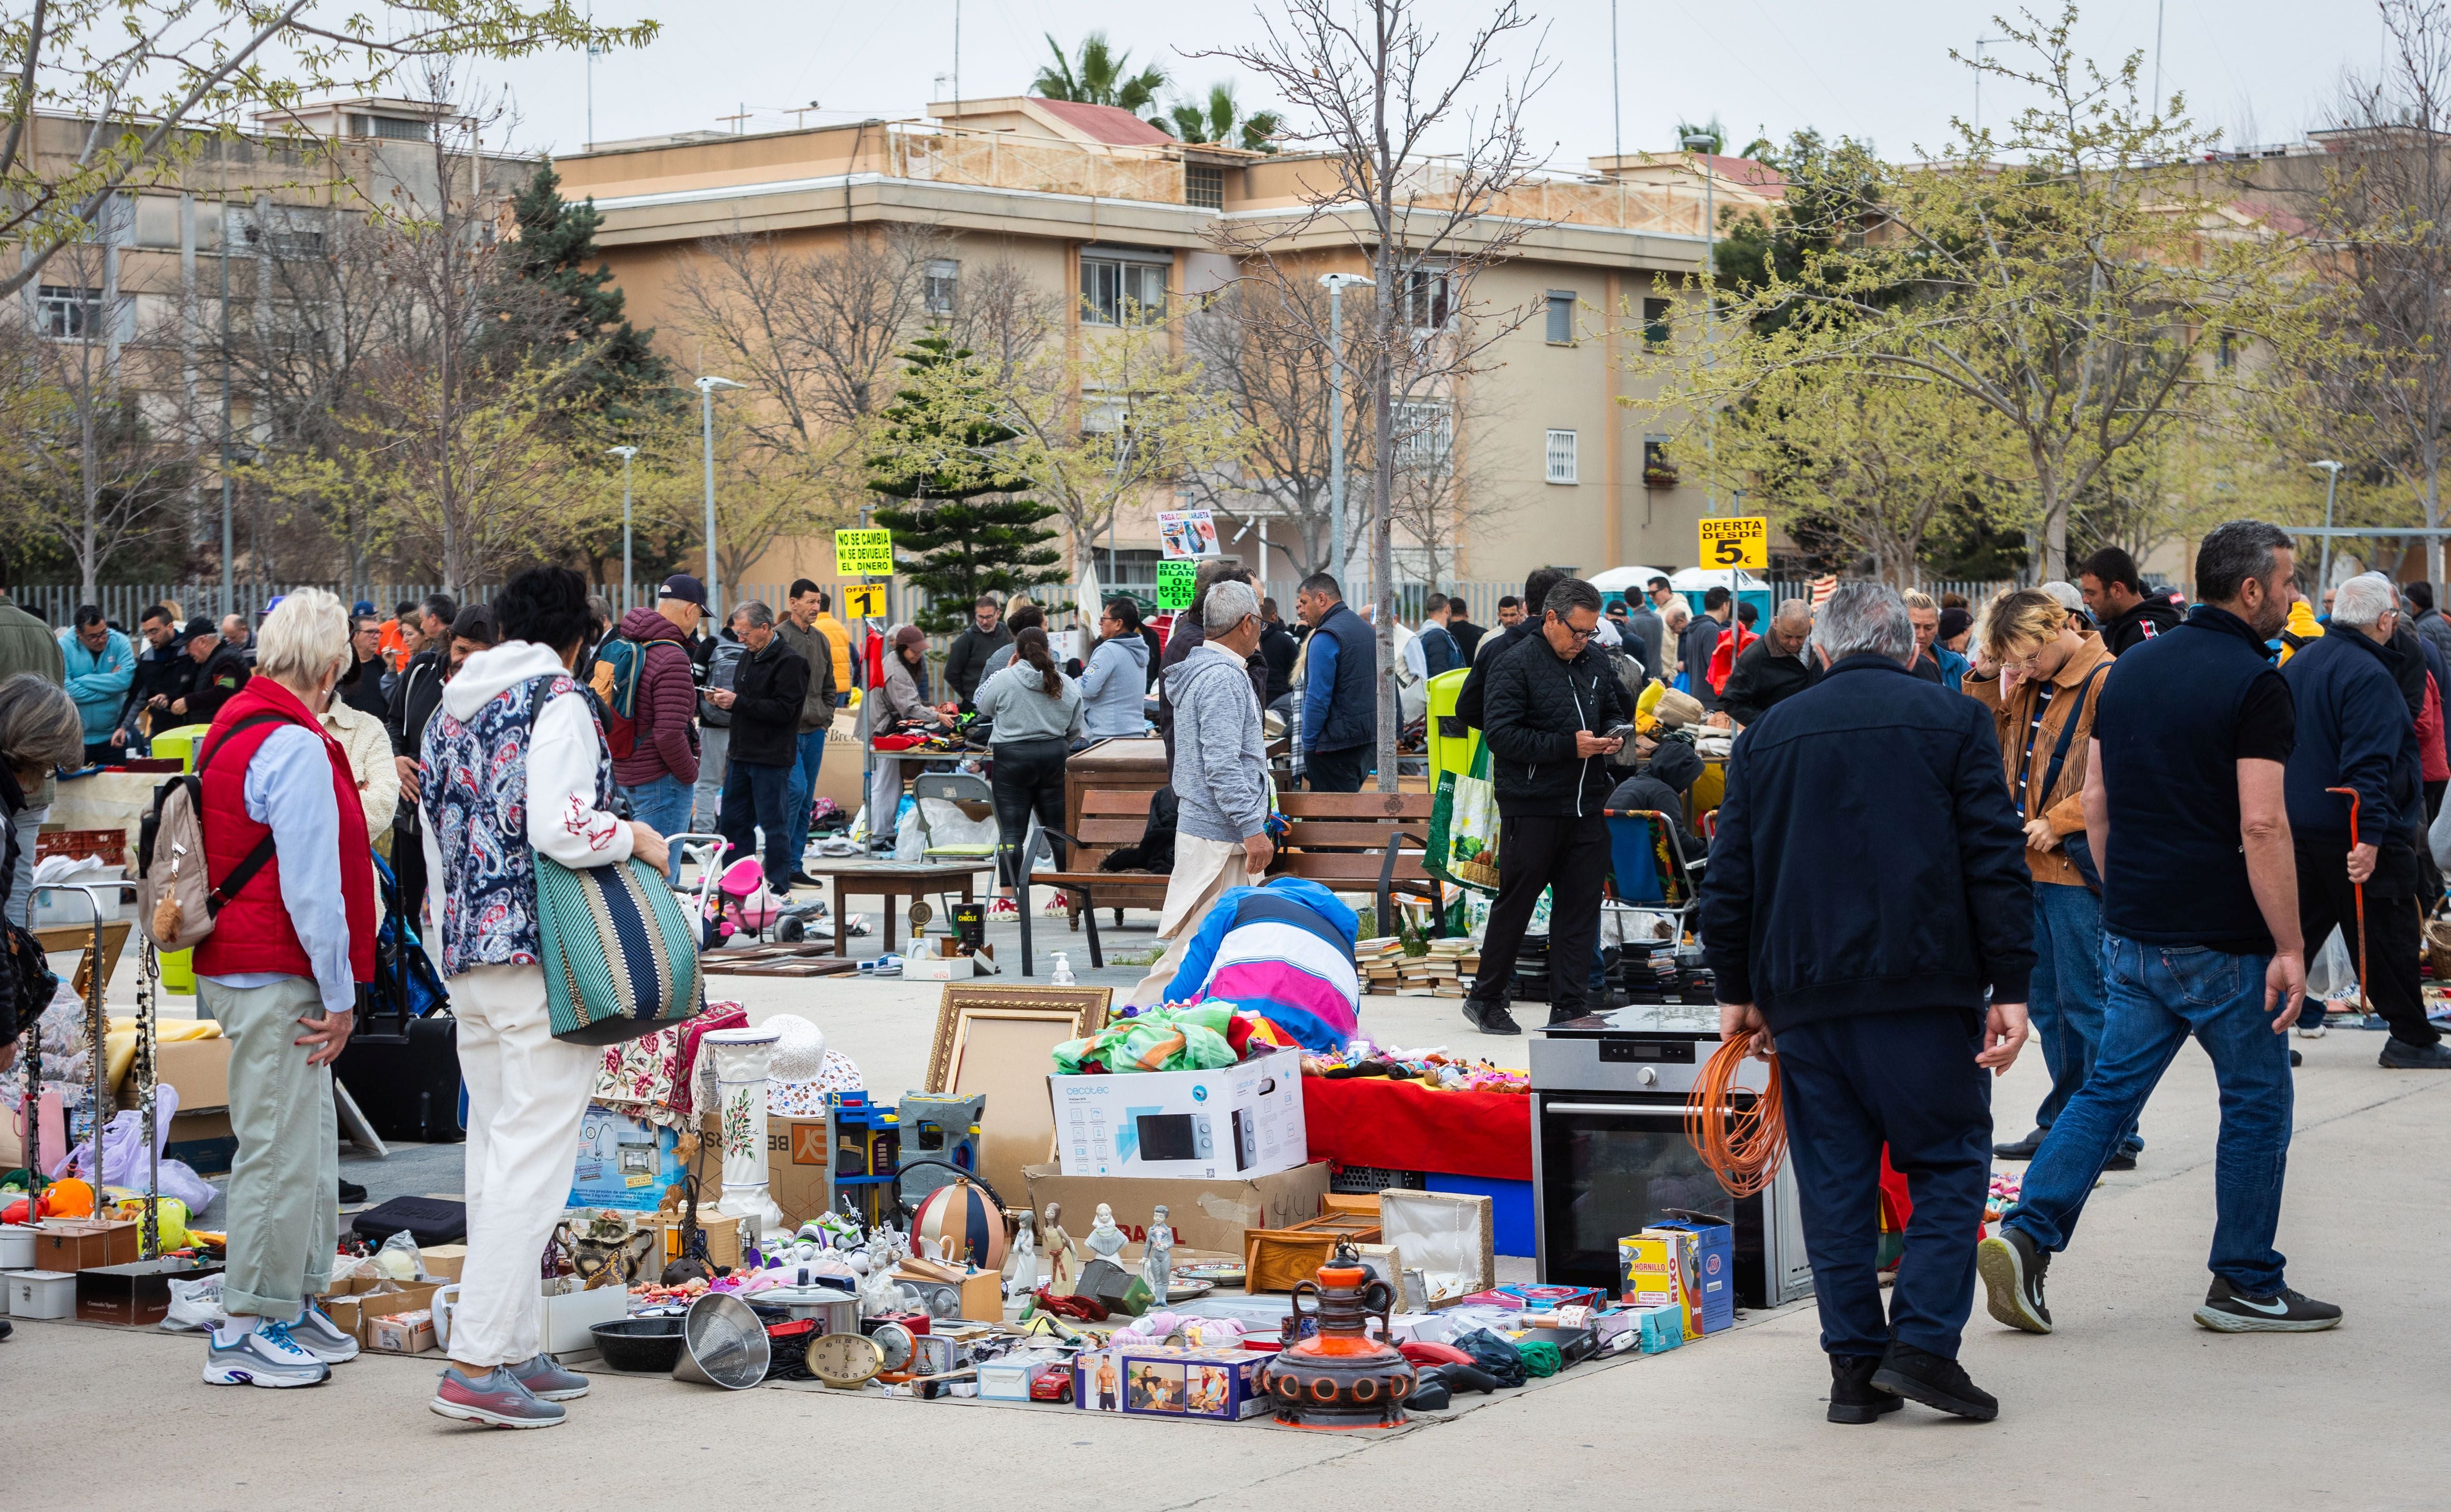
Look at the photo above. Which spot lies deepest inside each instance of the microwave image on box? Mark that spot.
(1173, 1135)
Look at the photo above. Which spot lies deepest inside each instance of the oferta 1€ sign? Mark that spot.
(864, 600)
(1739, 541)
(864, 554)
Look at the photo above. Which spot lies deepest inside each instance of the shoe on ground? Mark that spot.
(1934, 1381)
(263, 1356)
(2311, 1026)
(1490, 1017)
(2399, 1055)
(2227, 1310)
(496, 1398)
(1003, 908)
(2020, 1149)
(316, 1333)
(2013, 1267)
(801, 879)
(351, 1191)
(1853, 1397)
(547, 1381)
(5, 1327)
(2120, 1160)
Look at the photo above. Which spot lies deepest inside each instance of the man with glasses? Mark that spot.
(1772, 667)
(1550, 713)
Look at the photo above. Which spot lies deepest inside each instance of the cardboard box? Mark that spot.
(401, 1333)
(723, 1238)
(1218, 1386)
(200, 1069)
(373, 1307)
(1209, 1217)
(443, 1261)
(132, 1295)
(1657, 1270)
(623, 1162)
(1239, 1120)
(204, 1140)
(343, 1312)
(801, 1166)
(1712, 1278)
(85, 1243)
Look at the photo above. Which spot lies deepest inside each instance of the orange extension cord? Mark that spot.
(1742, 1146)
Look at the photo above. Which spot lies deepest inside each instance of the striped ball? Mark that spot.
(964, 1225)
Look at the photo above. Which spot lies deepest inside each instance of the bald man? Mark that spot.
(1775, 667)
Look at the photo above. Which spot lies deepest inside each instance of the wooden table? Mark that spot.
(888, 880)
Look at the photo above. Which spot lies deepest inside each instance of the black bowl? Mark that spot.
(640, 1344)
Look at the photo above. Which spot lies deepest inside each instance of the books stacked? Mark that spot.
(1450, 963)
(1380, 959)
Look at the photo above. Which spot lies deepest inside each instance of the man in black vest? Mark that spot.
(1876, 995)
(2186, 814)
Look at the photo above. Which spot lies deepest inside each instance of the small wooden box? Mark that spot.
(1275, 1259)
(84, 1244)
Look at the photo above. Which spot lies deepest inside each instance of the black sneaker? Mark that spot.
(1853, 1397)
(2227, 1310)
(2021, 1149)
(351, 1191)
(2122, 1161)
(801, 879)
(2013, 1267)
(2399, 1055)
(1936, 1382)
(1490, 1017)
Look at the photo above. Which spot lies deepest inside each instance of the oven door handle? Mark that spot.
(1653, 1108)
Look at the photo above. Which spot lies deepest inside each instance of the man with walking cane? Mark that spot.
(2354, 736)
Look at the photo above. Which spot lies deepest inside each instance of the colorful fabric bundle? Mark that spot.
(1187, 1039)
(1283, 951)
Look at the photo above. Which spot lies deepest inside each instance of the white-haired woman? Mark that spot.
(285, 847)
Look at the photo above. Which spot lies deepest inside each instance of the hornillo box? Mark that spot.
(1238, 1122)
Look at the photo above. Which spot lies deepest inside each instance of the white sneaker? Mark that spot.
(316, 1333)
(267, 1356)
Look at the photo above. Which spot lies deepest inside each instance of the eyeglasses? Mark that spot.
(1579, 634)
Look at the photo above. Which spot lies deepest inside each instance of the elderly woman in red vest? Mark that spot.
(285, 847)
(516, 767)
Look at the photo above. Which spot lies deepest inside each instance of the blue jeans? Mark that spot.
(2159, 994)
(663, 806)
(1906, 1080)
(714, 744)
(2065, 999)
(757, 798)
(803, 791)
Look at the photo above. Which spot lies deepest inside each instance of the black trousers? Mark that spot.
(1569, 855)
(1028, 776)
(1337, 771)
(1906, 1080)
(408, 869)
(2327, 901)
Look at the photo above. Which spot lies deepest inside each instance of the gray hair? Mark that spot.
(304, 638)
(1865, 616)
(1229, 604)
(2070, 597)
(39, 724)
(1569, 595)
(1795, 611)
(756, 612)
(2363, 600)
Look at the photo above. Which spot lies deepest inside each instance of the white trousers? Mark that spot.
(528, 1093)
(1204, 871)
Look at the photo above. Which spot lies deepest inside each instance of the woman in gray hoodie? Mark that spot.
(1035, 712)
(1114, 684)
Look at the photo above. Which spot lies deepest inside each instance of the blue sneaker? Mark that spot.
(265, 1357)
(316, 1333)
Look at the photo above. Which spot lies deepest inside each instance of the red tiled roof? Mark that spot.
(1759, 177)
(1104, 123)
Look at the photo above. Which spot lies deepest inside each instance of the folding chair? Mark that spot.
(1640, 879)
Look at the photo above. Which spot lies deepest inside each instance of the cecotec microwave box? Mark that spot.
(1236, 1121)
(1220, 1385)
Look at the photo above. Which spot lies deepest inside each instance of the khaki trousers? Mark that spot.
(284, 1206)
(1204, 871)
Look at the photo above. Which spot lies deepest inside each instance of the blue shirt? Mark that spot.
(98, 680)
(289, 787)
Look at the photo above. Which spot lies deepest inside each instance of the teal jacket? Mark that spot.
(98, 680)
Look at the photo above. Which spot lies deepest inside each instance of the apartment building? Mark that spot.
(1106, 214)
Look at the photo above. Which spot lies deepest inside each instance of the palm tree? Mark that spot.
(1222, 121)
(1095, 75)
(1762, 149)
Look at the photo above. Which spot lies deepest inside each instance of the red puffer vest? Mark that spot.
(253, 932)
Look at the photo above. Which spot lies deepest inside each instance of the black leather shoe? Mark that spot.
(1490, 1017)
(2023, 1149)
(1936, 1382)
(801, 879)
(2121, 1161)
(2399, 1055)
(351, 1191)
(1853, 1397)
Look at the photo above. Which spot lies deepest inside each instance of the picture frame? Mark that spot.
(1448, 1237)
(997, 1041)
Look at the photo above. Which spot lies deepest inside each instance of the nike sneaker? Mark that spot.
(2227, 1310)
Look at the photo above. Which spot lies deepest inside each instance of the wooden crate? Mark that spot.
(1276, 1259)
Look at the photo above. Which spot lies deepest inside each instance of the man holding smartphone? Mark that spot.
(1546, 697)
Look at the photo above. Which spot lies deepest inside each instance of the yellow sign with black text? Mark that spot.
(864, 554)
(1741, 541)
(864, 600)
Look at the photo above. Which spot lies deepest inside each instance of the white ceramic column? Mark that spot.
(741, 1058)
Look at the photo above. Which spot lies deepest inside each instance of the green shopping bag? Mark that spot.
(1464, 827)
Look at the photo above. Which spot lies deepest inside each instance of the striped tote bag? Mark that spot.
(619, 957)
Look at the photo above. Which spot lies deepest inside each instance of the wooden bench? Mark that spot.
(1344, 842)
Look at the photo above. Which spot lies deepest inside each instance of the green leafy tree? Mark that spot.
(556, 244)
(1098, 74)
(1221, 120)
(962, 524)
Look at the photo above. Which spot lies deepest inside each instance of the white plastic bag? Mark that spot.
(399, 1259)
(2332, 976)
(909, 834)
(195, 1305)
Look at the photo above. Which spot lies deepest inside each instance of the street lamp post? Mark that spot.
(626, 454)
(1336, 284)
(2331, 472)
(706, 387)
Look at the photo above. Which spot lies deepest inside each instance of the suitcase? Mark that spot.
(429, 1221)
(404, 1074)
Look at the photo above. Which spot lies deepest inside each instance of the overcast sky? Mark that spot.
(2265, 70)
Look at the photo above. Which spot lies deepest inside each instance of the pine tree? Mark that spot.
(961, 524)
(555, 243)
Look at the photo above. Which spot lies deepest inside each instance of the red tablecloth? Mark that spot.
(1403, 1126)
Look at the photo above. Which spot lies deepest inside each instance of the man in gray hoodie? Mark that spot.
(1221, 777)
